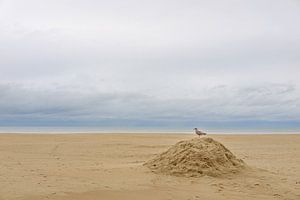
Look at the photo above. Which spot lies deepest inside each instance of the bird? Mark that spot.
(199, 132)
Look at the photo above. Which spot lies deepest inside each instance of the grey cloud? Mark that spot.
(142, 60)
(272, 102)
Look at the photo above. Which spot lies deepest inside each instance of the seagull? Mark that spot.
(199, 132)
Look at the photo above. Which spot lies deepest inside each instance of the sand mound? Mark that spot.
(196, 157)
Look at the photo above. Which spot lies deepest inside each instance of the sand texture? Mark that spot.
(111, 167)
(196, 157)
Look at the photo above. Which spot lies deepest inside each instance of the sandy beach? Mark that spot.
(110, 166)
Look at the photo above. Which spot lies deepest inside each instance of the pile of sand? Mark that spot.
(196, 157)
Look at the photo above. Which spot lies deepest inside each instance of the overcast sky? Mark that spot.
(149, 63)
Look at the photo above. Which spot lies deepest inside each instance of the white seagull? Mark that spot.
(199, 132)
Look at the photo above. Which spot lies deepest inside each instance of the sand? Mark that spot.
(195, 158)
(110, 166)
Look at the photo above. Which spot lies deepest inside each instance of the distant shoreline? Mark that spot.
(148, 132)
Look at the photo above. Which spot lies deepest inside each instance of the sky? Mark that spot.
(160, 64)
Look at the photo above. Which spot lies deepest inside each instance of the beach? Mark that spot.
(110, 166)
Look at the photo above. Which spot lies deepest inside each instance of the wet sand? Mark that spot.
(110, 166)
